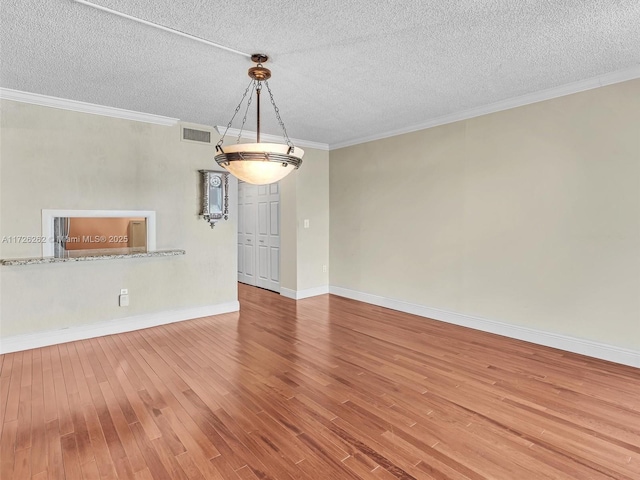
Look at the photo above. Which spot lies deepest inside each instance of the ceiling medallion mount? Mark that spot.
(259, 72)
(259, 58)
(258, 163)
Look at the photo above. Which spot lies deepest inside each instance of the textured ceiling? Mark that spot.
(341, 70)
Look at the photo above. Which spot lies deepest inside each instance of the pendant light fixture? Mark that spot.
(258, 163)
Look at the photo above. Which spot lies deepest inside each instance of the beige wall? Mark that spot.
(304, 194)
(313, 205)
(288, 232)
(529, 216)
(57, 159)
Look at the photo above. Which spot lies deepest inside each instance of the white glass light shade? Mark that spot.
(273, 165)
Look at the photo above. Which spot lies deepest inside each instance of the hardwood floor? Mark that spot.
(325, 388)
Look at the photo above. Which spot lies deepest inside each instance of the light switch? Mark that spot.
(306, 223)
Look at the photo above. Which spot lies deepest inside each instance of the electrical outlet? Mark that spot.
(124, 291)
(123, 300)
(324, 269)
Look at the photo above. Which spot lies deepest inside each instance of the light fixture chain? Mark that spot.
(244, 119)
(235, 113)
(277, 110)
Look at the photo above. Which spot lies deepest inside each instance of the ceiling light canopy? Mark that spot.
(258, 163)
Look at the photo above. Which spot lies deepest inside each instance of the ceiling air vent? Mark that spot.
(196, 135)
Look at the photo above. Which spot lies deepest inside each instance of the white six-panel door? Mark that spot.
(259, 235)
(247, 233)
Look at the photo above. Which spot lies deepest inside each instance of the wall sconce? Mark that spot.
(215, 196)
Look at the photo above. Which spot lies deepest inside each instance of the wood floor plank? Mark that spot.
(99, 444)
(13, 395)
(81, 434)
(226, 470)
(5, 382)
(50, 406)
(90, 471)
(144, 475)
(70, 458)
(101, 425)
(40, 476)
(22, 464)
(55, 468)
(153, 462)
(123, 373)
(7, 449)
(189, 467)
(320, 388)
(65, 422)
(119, 421)
(198, 456)
(23, 437)
(169, 460)
(109, 365)
(38, 425)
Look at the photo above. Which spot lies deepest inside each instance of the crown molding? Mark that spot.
(266, 137)
(555, 92)
(83, 107)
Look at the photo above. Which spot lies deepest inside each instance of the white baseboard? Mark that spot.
(563, 342)
(42, 339)
(306, 293)
(287, 292)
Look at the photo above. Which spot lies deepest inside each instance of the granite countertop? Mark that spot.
(89, 257)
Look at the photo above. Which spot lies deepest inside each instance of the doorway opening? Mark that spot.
(259, 235)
